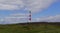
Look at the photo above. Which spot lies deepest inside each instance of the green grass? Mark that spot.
(30, 28)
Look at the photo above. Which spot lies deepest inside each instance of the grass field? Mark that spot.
(30, 28)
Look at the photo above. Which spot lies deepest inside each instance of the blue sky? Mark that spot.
(39, 8)
(53, 10)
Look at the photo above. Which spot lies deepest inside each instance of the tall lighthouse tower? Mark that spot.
(29, 16)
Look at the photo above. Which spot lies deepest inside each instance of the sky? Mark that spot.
(17, 11)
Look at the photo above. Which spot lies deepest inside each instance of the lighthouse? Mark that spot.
(29, 16)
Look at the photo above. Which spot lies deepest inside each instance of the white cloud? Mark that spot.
(38, 5)
(50, 19)
(23, 18)
(30, 5)
(14, 18)
(11, 4)
(8, 7)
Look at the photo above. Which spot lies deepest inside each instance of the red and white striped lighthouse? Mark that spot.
(29, 16)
